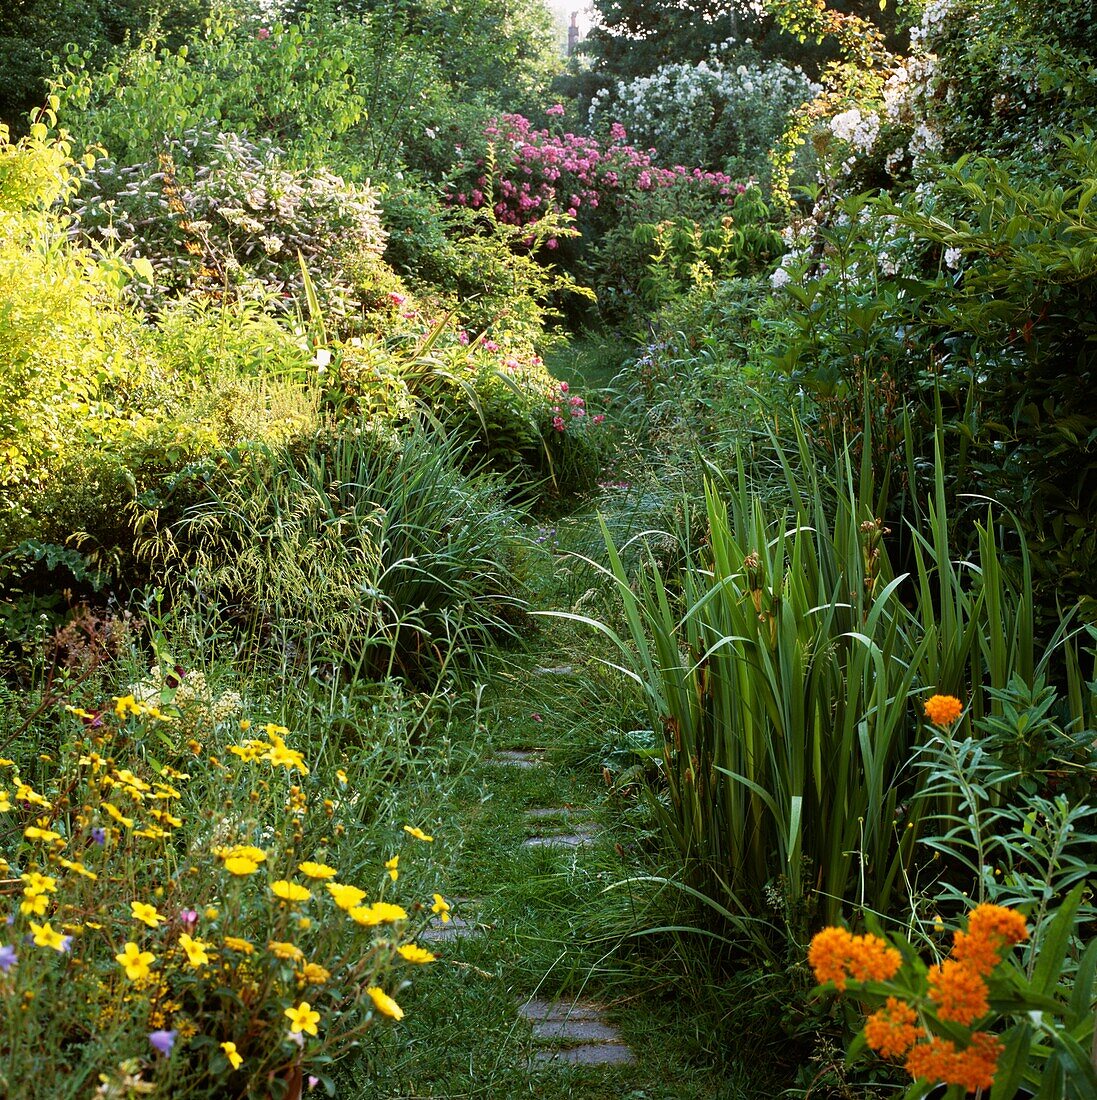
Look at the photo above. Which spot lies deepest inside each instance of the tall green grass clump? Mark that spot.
(782, 667)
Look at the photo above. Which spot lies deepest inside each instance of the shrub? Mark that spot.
(723, 113)
(219, 214)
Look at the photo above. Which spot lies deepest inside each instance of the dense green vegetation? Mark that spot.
(712, 413)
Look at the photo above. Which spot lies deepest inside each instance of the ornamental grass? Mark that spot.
(184, 910)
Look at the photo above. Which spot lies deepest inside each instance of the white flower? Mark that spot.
(953, 257)
(780, 278)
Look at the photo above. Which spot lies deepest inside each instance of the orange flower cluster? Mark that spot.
(957, 990)
(958, 985)
(893, 1030)
(973, 1067)
(943, 710)
(836, 956)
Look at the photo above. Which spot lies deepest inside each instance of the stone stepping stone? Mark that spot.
(457, 927)
(552, 813)
(574, 1033)
(590, 1054)
(559, 670)
(518, 758)
(569, 841)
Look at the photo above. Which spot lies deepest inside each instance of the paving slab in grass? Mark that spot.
(457, 927)
(518, 758)
(576, 839)
(591, 1054)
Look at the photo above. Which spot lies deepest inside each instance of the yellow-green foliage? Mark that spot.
(67, 346)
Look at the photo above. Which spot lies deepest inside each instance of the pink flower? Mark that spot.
(463, 338)
(490, 345)
(617, 132)
(396, 299)
(598, 419)
(263, 34)
(558, 423)
(555, 109)
(563, 387)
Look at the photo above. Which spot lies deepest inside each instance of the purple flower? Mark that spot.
(99, 835)
(8, 957)
(163, 1041)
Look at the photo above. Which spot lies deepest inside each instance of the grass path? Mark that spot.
(549, 919)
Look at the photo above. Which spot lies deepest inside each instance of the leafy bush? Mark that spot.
(724, 113)
(220, 214)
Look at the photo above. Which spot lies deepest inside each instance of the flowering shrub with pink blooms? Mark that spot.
(527, 173)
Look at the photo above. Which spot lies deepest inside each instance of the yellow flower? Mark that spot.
(341, 776)
(37, 883)
(391, 865)
(5, 802)
(285, 950)
(380, 912)
(230, 1053)
(79, 868)
(385, 1003)
(45, 936)
(415, 954)
(146, 914)
(195, 949)
(247, 851)
(237, 944)
(126, 705)
(314, 974)
(304, 923)
(316, 870)
(245, 724)
(289, 891)
(302, 1019)
(118, 816)
(241, 865)
(943, 710)
(415, 831)
(346, 897)
(136, 962)
(36, 832)
(440, 906)
(24, 793)
(212, 912)
(34, 905)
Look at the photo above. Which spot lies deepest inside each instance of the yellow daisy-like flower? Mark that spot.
(248, 851)
(391, 866)
(197, 953)
(117, 814)
(34, 905)
(943, 710)
(146, 914)
(303, 1019)
(415, 954)
(314, 974)
(235, 1060)
(25, 793)
(380, 912)
(415, 831)
(36, 832)
(37, 883)
(283, 950)
(346, 897)
(5, 802)
(241, 865)
(47, 936)
(78, 867)
(341, 776)
(316, 870)
(126, 705)
(236, 944)
(441, 907)
(136, 963)
(385, 1003)
(289, 891)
